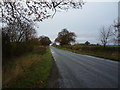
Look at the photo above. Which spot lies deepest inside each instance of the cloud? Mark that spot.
(101, 0)
(93, 38)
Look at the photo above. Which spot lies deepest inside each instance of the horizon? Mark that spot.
(93, 14)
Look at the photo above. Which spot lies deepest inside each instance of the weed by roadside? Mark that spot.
(98, 51)
(28, 71)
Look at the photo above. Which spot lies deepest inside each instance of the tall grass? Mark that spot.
(109, 52)
(28, 71)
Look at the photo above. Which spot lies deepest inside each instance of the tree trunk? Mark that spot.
(104, 45)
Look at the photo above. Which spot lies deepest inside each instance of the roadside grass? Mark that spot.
(109, 52)
(28, 71)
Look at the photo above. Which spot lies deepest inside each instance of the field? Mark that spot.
(30, 70)
(109, 52)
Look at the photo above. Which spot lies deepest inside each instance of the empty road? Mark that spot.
(83, 71)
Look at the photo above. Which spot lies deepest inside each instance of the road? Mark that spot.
(83, 71)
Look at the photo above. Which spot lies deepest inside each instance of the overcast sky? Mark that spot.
(85, 22)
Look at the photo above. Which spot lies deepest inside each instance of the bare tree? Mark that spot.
(19, 31)
(105, 35)
(116, 26)
(17, 38)
(34, 10)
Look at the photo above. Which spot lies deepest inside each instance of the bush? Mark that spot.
(16, 49)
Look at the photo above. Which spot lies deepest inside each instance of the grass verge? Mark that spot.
(28, 71)
(101, 52)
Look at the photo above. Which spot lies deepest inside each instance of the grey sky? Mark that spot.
(85, 22)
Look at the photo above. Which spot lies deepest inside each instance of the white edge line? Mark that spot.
(52, 54)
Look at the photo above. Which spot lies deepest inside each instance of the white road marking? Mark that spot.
(52, 53)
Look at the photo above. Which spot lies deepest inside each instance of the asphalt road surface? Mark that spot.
(83, 71)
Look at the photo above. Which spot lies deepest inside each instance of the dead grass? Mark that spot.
(111, 53)
(28, 71)
(18, 67)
